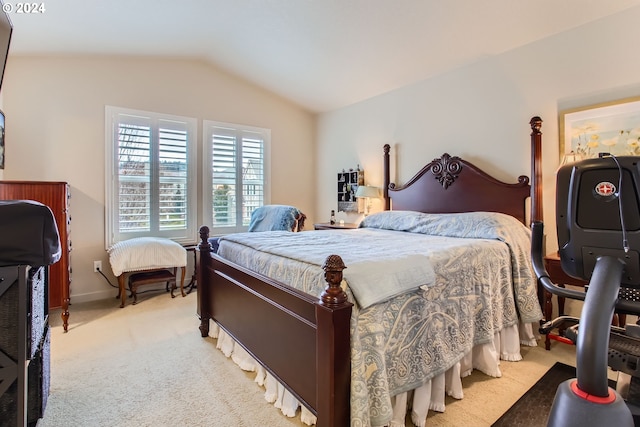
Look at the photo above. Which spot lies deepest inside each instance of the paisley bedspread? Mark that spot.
(481, 286)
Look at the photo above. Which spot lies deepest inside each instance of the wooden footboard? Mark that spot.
(302, 341)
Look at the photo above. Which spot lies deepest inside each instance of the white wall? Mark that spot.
(54, 110)
(481, 112)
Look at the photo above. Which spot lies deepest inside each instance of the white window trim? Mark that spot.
(190, 234)
(207, 189)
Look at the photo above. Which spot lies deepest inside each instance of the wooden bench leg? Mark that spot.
(121, 291)
(134, 293)
(184, 270)
(173, 284)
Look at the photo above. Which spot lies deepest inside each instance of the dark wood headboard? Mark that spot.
(449, 184)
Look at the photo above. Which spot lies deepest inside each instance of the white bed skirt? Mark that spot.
(430, 396)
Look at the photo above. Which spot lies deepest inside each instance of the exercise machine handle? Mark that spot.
(537, 233)
(593, 342)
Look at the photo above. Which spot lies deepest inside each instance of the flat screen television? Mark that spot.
(6, 29)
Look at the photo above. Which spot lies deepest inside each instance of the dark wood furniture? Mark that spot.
(317, 327)
(336, 226)
(192, 282)
(299, 225)
(149, 277)
(56, 196)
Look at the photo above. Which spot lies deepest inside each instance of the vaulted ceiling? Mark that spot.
(321, 54)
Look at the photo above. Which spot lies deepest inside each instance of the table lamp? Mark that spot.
(367, 192)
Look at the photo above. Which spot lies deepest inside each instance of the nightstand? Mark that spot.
(336, 226)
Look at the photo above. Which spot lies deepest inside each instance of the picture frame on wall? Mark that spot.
(348, 182)
(1, 140)
(612, 127)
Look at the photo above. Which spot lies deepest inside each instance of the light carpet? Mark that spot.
(146, 365)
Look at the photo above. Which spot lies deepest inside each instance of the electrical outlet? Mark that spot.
(97, 266)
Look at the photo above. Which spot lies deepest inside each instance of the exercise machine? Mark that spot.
(598, 227)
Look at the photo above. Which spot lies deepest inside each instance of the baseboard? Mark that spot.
(94, 296)
(107, 294)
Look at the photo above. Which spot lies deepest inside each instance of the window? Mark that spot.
(150, 176)
(236, 175)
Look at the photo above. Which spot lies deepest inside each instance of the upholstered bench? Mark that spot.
(147, 260)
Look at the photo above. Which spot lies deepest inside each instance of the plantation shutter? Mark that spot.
(134, 177)
(253, 173)
(153, 176)
(237, 165)
(224, 177)
(173, 176)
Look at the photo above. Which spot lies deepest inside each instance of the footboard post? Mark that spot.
(333, 313)
(203, 261)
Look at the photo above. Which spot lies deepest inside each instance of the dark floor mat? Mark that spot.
(532, 409)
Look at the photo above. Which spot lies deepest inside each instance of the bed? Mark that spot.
(350, 358)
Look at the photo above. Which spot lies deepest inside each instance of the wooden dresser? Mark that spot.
(55, 195)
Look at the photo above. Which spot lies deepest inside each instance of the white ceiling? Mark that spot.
(321, 54)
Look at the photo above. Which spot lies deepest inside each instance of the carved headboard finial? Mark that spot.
(536, 124)
(446, 169)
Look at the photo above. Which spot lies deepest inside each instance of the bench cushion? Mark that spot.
(146, 253)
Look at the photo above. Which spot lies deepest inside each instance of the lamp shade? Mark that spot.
(368, 191)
